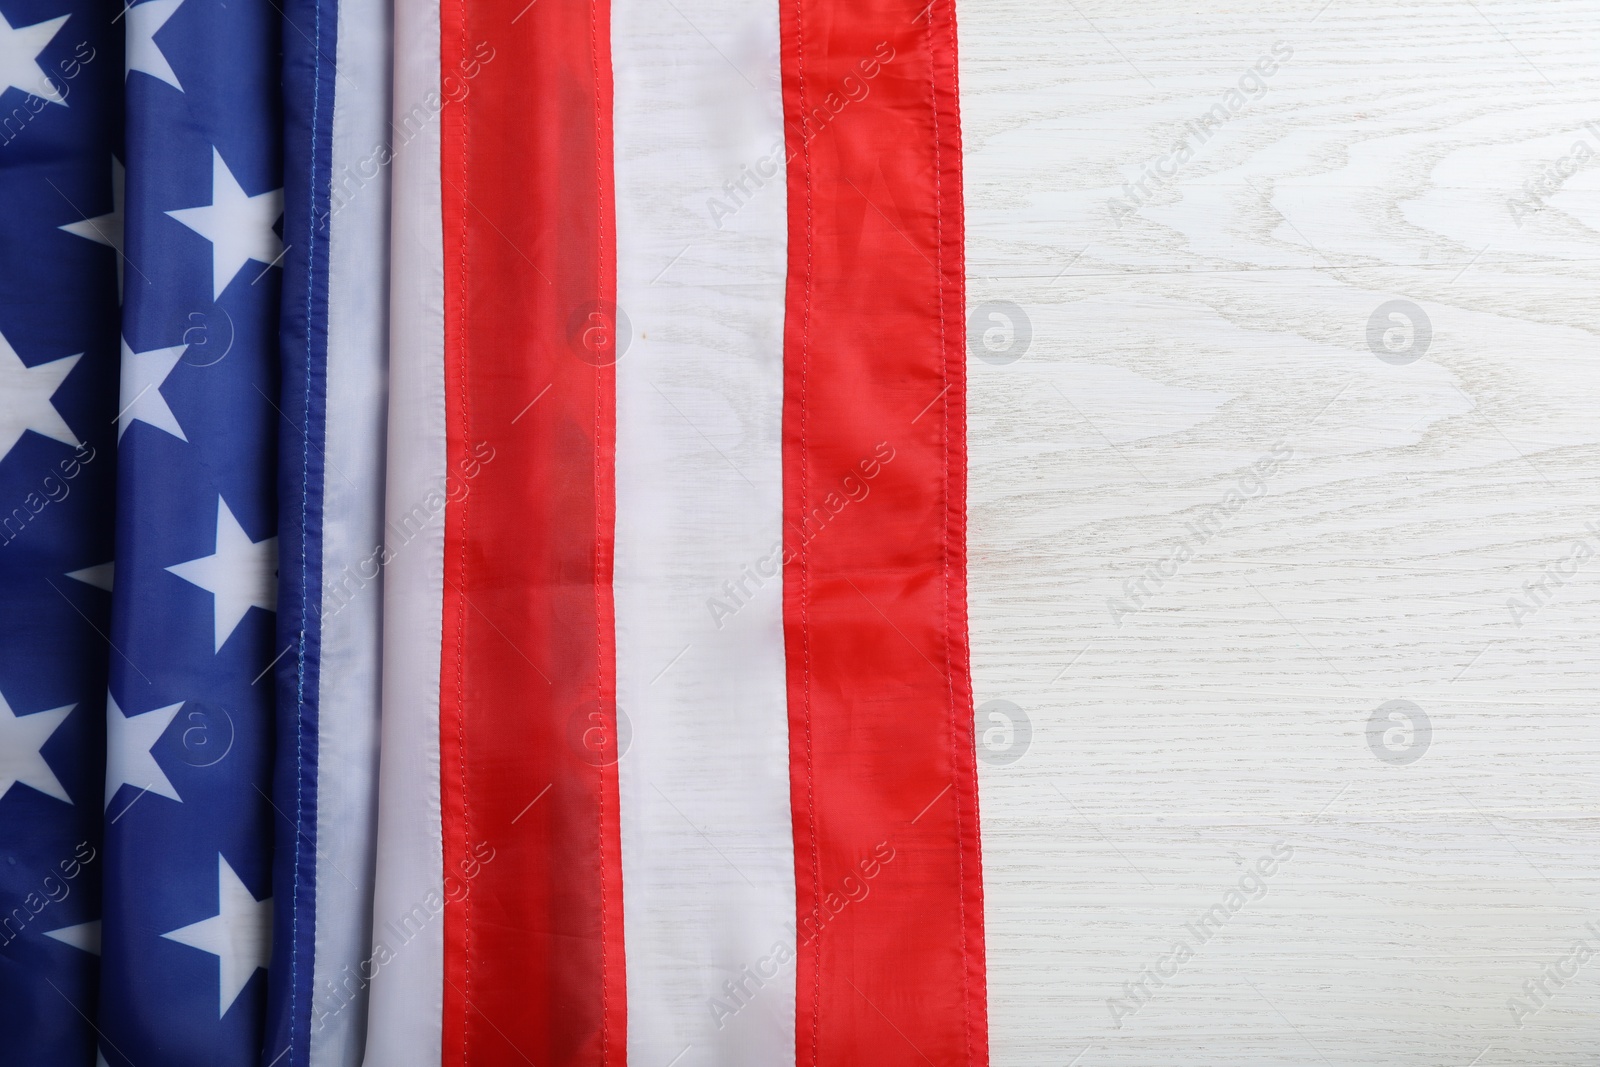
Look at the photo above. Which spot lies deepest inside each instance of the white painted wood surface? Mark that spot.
(1226, 316)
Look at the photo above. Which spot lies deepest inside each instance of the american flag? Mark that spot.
(517, 536)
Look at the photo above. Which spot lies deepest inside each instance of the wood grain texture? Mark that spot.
(1172, 350)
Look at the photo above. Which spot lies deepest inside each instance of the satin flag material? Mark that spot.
(190, 713)
(677, 729)
(333, 336)
(60, 249)
(538, 632)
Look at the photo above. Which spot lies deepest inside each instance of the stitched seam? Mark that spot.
(805, 550)
(599, 640)
(305, 585)
(944, 456)
(464, 16)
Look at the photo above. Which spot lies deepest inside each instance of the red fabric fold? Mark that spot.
(883, 773)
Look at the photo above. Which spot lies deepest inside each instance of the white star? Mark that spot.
(240, 575)
(25, 394)
(19, 58)
(106, 229)
(129, 761)
(142, 51)
(238, 226)
(143, 374)
(84, 936)
(239, 935)
(99, 576)
(22, 739)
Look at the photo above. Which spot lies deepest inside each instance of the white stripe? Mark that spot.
(707, 842)
(406, 1013)
(352, 529)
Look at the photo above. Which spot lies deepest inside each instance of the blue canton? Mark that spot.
(60, 239)
(189, 716)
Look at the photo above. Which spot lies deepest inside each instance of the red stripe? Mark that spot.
(533, 947)
(883, 777)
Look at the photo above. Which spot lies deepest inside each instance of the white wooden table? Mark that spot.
(1220, 318)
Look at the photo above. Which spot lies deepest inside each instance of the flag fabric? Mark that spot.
(334, 343)
(539, 628)
(60, 122)
(679, 684)
(190, 714)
